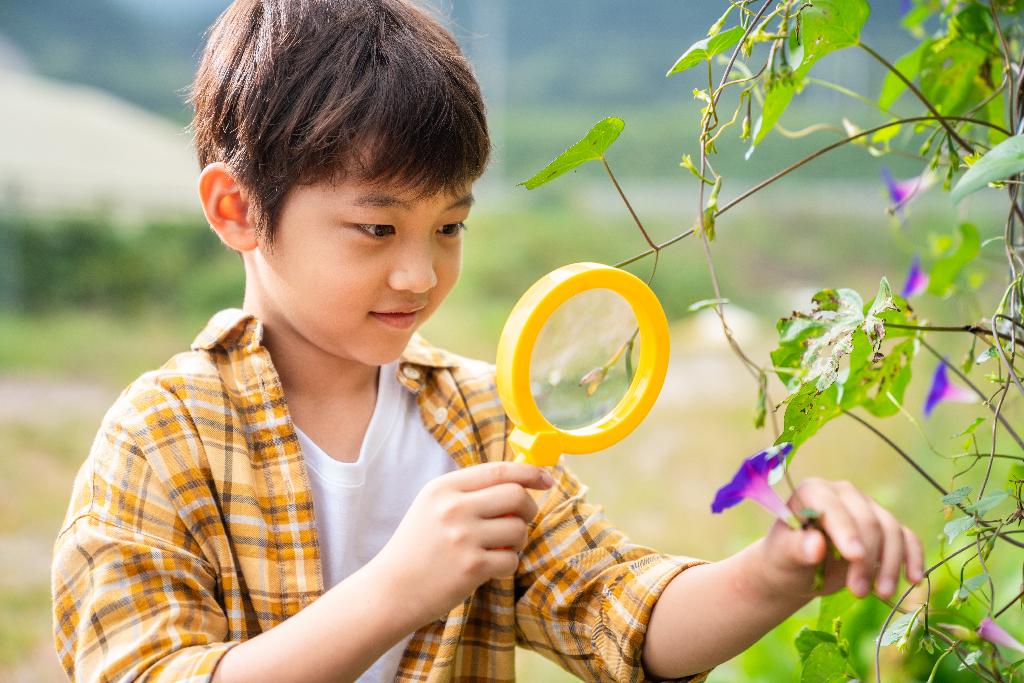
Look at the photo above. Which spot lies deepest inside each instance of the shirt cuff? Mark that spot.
(626, 611)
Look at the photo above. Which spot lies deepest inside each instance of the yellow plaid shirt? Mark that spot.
(191, 528)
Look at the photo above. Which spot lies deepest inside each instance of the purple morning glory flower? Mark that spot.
(993, 633)
(944, 390)
(917, 280)
(902, 192)
(751, 481)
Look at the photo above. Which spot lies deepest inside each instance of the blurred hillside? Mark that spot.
(549, 69)
(550, 53)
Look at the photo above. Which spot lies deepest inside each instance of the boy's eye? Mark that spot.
(453, 229)
(375, 230)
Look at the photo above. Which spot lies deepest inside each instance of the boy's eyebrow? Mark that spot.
(386, 201)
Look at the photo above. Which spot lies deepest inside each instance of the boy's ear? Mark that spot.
(226, 206)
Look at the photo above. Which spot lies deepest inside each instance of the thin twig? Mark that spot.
(920, 95)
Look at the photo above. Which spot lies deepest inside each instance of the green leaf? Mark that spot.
(590, 148)
(985, 355)
(909, 65)
(827, 26)
(970, 429)
(957, 496)
(869, 384)
(705, 303)
(945, 270)
(970, 660)
(826, 664)
(873, 326)
(949, 75)
(806, 412)
(987, 503)
(704, 50)
(900, 630)
(957, 527)
(1001, 162)
(834, 606)
(776, 98)
(970, 585)
(807, 639)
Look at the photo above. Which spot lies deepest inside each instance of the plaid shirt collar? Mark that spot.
(233, 329)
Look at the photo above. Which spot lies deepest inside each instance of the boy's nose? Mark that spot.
(415, 274)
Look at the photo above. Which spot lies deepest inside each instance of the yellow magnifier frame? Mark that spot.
(534, 439)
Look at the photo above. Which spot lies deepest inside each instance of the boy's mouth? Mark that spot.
(399, 319)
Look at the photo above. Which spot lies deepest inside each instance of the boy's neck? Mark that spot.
(309, 373)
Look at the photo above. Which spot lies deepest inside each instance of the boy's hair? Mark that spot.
(298, 91)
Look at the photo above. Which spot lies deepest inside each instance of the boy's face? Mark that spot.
(355, 269)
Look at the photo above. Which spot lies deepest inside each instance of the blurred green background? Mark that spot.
(107, 268)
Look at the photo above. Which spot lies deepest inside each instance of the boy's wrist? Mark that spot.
(398, 594)
(770, 581)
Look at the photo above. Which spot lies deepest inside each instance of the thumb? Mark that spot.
(807, 547)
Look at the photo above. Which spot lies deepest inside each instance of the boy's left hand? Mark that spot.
(872, 545)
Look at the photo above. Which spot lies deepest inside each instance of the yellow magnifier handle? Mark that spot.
(534, 439)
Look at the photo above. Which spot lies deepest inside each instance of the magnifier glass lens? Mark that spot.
(584, 358)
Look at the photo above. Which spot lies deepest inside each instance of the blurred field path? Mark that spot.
(46, 426)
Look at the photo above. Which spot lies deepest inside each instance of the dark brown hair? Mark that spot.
(298, 91)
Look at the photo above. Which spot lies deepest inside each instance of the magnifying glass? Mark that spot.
(590, 344)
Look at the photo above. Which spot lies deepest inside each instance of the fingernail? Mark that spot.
(854, 548)
(546, 478)
(885, 587)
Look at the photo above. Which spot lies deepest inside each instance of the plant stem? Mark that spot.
(903, 454)
(629, 206)
(792, 167)
(924, 100)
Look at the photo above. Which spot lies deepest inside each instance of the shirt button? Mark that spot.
(411, 372)
(440, 414)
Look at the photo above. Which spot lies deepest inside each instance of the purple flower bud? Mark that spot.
(905, 6)
(751, 481)
(944, 390)
(993, 633)
(917, 280)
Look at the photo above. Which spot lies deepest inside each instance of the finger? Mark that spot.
(915, 556)
(835, 519)
(488, 474)
(502, 533)
(503, 499)
(893, 552)
(500, 563)
(864, 513)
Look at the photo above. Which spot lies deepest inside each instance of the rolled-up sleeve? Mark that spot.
(133, 596)
(585, 592)
(130, 607)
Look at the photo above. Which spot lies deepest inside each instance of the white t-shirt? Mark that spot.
(358, 505)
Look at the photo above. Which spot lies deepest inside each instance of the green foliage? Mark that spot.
(591, 148)
(826, 26)
(92, 262)
(900, 629)
(909, 65)
(1001, 162)
(945, 270)
(957, 527)
(704, 50)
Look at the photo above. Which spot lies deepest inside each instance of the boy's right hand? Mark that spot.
(462, 529)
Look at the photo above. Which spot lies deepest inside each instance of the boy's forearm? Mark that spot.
(333, 639)
(710, 613)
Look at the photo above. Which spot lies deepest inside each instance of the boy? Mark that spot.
(313, 493)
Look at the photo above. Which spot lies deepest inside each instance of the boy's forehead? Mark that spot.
(396, 196)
